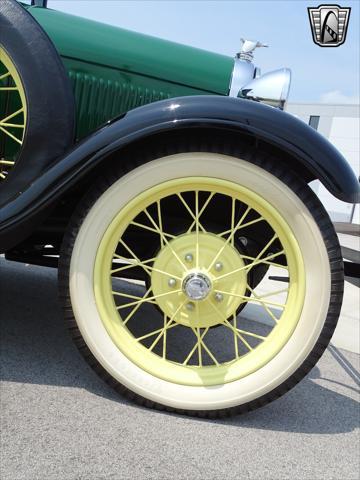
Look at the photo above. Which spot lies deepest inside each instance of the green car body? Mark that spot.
(114, 70)
(167, 200)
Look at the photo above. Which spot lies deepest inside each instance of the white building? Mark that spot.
(341, 125)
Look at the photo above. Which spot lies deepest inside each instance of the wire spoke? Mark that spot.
(230, 237)
(197, 225)
(203, 208)
(5, 75)
(185, 362)
(164, 238)
(10, 135)
(12, 125)
(150, 229)
(252, 222)
(12, 115)
(156, 226)
(147, 300)
(236, 332)
(168, 325)
(235, 337)
(195, 216)
(227, 324)
(6, 162)
(136, 307)
(264, 304)
(270, 242)
(202, 343)
(199, 340)
(155, 332)
(272, 264)
(249, 266)
(148, 335)
(127, 295)
(160, 222)
(165, 338)
(265, 260)
(251, 299)
(250, 334)
(7, 89)
(131, 265)
(233, 204)
(146, 268)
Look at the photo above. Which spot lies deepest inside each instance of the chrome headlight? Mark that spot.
(247, 82)
(271, 88)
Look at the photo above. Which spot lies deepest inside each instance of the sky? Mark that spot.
(326, 75)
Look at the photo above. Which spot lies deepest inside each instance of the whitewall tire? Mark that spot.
(318, 249)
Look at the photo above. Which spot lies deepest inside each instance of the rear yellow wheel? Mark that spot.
(36, 100)
(13, 113)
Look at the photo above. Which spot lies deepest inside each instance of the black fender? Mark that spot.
(317, 158)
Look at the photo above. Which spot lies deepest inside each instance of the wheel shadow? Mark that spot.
(36, 349)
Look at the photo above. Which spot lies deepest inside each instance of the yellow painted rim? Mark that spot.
(157, 362)
(13, 114)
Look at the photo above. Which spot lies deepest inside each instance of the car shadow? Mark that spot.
(36, 349)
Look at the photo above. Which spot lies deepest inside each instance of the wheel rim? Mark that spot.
(13, 114)
(196, 280)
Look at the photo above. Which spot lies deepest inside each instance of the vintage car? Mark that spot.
(198, 271)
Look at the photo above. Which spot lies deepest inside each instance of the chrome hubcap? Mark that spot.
(196, 286)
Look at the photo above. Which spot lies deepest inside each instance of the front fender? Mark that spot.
(316, 156)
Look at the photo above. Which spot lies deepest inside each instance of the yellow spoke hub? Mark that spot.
(196, 280)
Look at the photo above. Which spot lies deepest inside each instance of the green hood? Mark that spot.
(135, 53)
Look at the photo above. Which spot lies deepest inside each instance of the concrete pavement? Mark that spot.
(60, 422)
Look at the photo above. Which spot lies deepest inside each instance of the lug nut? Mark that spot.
(172, 282)
(218, 266)
(189, 258)
(190, 306)
(219, 297)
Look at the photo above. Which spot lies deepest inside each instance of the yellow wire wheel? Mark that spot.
(13, 113)
(180, 318)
